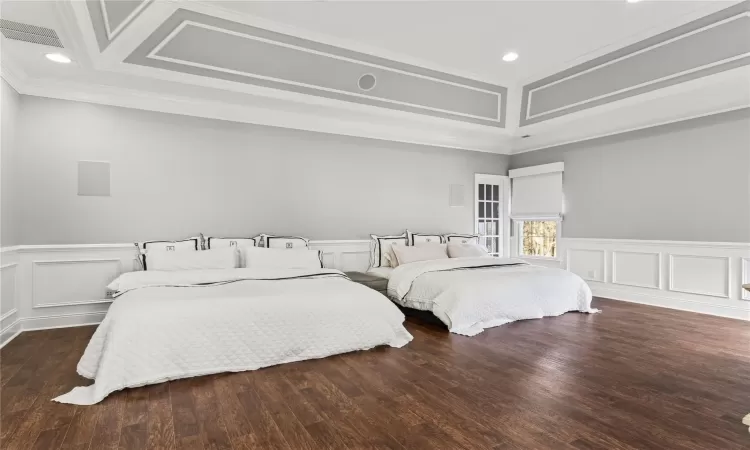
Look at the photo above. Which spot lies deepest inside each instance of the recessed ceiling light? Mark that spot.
(633, 1)
(510, 56)
(58, 58)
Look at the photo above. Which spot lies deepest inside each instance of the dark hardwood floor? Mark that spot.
(633, 377)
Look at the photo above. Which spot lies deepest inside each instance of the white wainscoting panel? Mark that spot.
(72, 282)
(745, 277)
(591, 265)
(10, 324)
(52, 286)
(639, 269)
(702, 275)
(8, 277)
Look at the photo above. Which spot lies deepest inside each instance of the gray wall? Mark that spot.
(9, 104)
(687, 181)
(174, 176)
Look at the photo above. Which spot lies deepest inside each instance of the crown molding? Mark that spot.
(419, 132)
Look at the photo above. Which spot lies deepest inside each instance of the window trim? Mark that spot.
(517, 241)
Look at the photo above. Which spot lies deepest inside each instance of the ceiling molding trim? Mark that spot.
(730, 20)
(112, 34)
(13, 74)
(105, 35)
(134, 99)
(465, 93)
(628, 130)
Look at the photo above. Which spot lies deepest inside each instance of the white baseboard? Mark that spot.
(62, 321)
(9, 333)
(681, 304)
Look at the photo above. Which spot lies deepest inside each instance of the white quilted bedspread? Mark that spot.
(182, 324)
(472, 294)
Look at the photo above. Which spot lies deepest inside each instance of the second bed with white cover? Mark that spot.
(472, 294)
(170, 325)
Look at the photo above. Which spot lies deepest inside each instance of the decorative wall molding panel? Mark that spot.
(703, 277)
(110, 17)
(51, 286)
(589, 264)
(198, 44)
(711, 44)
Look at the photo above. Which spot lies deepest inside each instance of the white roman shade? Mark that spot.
(537, 192)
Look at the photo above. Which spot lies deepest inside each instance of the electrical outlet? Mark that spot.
(110, 294)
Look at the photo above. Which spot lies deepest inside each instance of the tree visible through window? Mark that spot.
(538, 238)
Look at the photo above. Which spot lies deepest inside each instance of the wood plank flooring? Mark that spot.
(633, 377)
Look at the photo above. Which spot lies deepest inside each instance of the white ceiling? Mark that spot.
(470, 37)
(461, 37)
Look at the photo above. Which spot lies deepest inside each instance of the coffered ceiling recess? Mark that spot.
(422, 72)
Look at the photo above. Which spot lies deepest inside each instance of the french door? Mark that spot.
(491, 223)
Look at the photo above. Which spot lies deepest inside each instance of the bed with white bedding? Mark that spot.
(169, 325)
(472, 294)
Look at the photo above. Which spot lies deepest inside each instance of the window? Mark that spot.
(537, 238)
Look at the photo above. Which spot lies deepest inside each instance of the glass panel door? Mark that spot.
(490, 200)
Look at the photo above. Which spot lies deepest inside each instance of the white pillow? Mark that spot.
(421, 252)
(191, 244)
(461, 238)
(392, 259)
(281, 258)
(458, 250)
(220, 258)
(379, 246)
(271, 241)
(221, 242)
(424, 238)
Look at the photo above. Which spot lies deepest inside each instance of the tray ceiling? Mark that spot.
(422, 72)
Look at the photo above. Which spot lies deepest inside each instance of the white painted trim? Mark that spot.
(605, 273)
(211, 8)
(8, 314)
(629, 55)
(111, 34)
(681, 303)
(36, 263)
(745, 279)
(537, 170)
(419, 129)
(615, 133)
(10, 329)
(736, 245)
(710, 294)
(62, 321)
(660, 262)
(182, 25)
(178, 29)
(504, 219)
(8, 266)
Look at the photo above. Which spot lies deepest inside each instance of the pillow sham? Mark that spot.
(191, 244)
(219, 258)
(423, 238)
(281, 258)
(422, 252)
(461, 238)
(271, 241)
(221, 242)
(379, 246)
(459, 250)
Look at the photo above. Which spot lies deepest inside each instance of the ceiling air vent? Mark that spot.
(29, 33)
